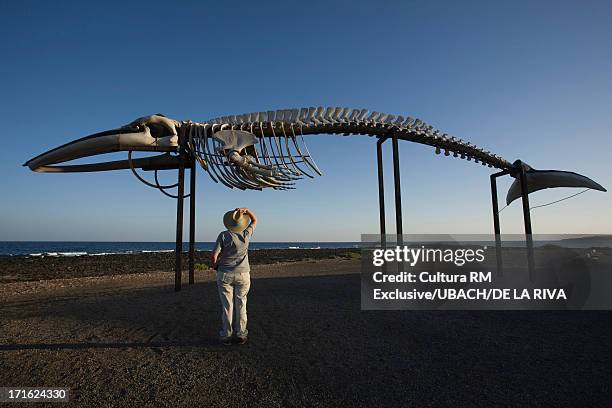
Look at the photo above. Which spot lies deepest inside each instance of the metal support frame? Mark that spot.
(179, 217)
(527, 221)
(381, 191)
(496, 225)
(398, 192)
(192, 210)
(522, 176)
(494, 201)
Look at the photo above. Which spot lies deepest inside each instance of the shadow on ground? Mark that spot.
(310, 345)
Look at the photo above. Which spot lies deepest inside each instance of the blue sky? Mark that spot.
(527, 80)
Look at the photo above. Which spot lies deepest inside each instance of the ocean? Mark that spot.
(81, 248)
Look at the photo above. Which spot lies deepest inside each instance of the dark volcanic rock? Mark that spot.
(24, 268)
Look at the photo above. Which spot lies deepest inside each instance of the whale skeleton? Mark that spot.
(267, 150)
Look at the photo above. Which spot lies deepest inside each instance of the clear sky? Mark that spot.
(529, 80)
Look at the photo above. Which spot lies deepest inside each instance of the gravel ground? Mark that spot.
(130, 340)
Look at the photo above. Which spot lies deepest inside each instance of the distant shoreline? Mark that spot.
(100, 248)
(74, 249)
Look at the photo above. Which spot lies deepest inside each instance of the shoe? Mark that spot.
(226, 341)
(241, 340)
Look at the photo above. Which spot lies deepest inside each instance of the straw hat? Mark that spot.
(235, 221)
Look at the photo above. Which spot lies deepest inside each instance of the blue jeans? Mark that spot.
(233, 290)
